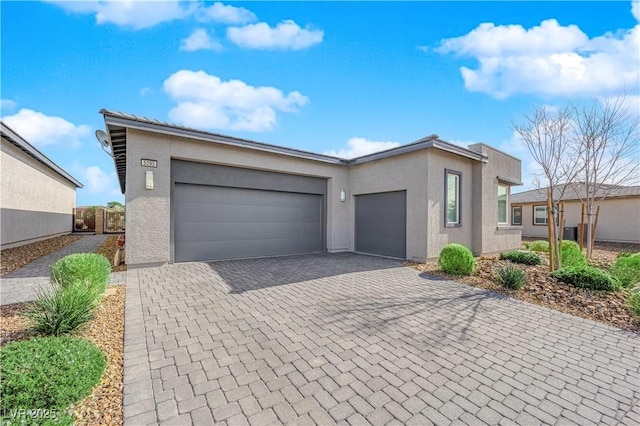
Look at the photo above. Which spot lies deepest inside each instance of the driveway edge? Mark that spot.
(139, 402)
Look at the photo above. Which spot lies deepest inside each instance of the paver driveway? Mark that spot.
(345, 337)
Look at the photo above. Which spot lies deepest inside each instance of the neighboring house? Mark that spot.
(193, 195)
(37, 197)
(619, 219)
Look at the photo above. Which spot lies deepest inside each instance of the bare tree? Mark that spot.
(547, 135)
(606, 144)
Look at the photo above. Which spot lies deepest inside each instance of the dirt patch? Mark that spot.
(104, 405)
(108, 249)
(15, 258)
(542, 289)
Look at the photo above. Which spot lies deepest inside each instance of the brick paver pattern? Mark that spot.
(22, 284)
(352, 339)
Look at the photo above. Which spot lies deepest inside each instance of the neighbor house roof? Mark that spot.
(117, 123)
(18, 141)
(575, 191)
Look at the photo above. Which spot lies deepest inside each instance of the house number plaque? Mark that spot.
(145, 162)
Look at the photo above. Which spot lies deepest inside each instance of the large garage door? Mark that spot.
(381, 223)
(213, 222)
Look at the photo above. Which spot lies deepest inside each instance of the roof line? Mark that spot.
(25, 146)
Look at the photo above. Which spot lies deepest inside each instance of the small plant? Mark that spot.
(87, 267)
(48, 372)
(623, 254)
(511, 277)
(456, 259)
(524, 257)
(587, 277)
(634, 301)
(627, 269)
(571, 254)
(59, 310)
(540, 245)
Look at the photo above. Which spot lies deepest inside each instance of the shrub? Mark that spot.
(48, 372)
(540, 245)
(524, 257)
(624, 254)
(59, 310)
(634, 301)
(456, 259)
(571, 254)
(91, 267)
(511, 277)
(587, 277)
(627, 269)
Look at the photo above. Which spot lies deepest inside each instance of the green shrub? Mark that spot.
(624, 254)
(571, 254)
(91, 267)
(524, 257)
(511, 277)
(59, 310)
(634, 301)
(627, 269)
(48, 372)
(587, 277)
(540, 245)
(456, 259)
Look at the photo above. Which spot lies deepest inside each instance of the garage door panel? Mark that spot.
(224, 223)
(381, 223)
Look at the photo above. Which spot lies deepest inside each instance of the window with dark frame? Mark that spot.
(540, 215)
(516, 215)
(452, 187)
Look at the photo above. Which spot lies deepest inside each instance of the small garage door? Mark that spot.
(381, 223)
(213, 222)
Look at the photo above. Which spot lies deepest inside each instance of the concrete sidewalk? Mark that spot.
(21, 285)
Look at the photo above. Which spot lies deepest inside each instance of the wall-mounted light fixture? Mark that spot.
(343, 195)
(148, 181)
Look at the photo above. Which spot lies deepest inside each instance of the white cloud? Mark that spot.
(97, 181)
(357, 147)
(635, 9)
(41, 130)
(548, 59)
(7, 105)
(199, 40)
(146, 91)
(286, 35)
(225, 14)
(205, 101)
(131, 13)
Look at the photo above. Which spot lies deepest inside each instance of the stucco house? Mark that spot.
(619, 219)
(37, 196)
(196, 196)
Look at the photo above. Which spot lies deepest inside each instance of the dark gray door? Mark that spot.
(213, 222)
(381, 223)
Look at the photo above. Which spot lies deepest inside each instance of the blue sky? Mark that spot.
(344, 78)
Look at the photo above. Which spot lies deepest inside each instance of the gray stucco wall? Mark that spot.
(489, 237)
(619, 220)
(36, 202)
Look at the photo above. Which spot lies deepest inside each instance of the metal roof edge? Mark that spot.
(18, 140)
(138, 123)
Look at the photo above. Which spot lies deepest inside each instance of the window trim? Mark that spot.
(513, 208)
(507, 187)
(448, 224)
(546, 215)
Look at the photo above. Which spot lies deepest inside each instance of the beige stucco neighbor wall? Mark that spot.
(489, 237)
(148, 211)
(35, 202)
(619, 220)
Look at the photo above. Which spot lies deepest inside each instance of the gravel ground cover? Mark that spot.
(14, 258)
(104, 405)
(108, 249)
(542, 289)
